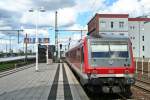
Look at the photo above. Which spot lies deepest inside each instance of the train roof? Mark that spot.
(77, 44)
(109, 38)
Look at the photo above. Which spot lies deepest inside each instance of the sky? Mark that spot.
(72, 14)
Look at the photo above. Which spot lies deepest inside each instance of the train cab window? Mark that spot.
(109, 51)
(119, 51)
(82, 54)
(100, 51)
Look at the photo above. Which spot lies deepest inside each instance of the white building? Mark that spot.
(138, 30)
(139, 33)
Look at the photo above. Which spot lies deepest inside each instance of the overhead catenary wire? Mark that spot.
(93, 9)
(93, 4)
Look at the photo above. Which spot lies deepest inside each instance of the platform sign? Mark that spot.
(40, 40)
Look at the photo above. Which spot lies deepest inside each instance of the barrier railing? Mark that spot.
(142, 67)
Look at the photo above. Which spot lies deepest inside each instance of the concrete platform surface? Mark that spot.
(51, 82)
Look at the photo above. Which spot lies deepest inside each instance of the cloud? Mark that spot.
(9, 18)
(16, 14)
(15, 5)
(66, 17)
(132, 7)
(68, 11)
(90, 5)
(53, 4)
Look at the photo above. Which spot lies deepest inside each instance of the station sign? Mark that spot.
(40, 40)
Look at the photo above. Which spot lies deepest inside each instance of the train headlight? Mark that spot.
(126, 71)
(130, 81)
(95, 71)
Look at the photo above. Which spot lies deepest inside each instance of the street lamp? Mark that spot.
(36, 32)
(47, 52)
(47, 43)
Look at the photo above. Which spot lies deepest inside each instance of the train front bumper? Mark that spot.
(111, 79)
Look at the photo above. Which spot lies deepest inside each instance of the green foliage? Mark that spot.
(7, 66)
(4, 66)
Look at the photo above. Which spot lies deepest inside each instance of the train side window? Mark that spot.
(82, 55)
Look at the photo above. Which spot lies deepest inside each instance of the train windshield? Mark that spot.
(109, 51)
(99, 51)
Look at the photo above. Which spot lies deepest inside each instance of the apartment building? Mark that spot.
(108, 24)
(137, 29)
(139, 33)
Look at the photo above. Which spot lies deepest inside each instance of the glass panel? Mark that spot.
(100, 48)
(119, 51)
(118, 48)
(109, 51)
(103, 24)
(121, 24)
(99, 51)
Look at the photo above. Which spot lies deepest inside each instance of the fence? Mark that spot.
(142, 67)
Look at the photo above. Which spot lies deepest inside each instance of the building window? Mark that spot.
(121, 24)
(143, 38)
(143, 56)
(103, 24)
(121, 33)
(132, 27)
(112, 24)
(133, 47)
(133, 37)
(143, 47)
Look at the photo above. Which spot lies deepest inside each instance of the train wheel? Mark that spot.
(128, 92)
(88, 91)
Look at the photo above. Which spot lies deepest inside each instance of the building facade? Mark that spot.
(139, 33)
(108, 24)
(137, 29)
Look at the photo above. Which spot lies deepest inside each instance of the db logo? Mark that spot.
(110, 71)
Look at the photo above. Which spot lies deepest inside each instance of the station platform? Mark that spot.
(51, 82)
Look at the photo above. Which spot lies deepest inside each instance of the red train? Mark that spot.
(103, 64)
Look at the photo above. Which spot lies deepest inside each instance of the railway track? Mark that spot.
(2, 74)
(122, 97)
(143, 85)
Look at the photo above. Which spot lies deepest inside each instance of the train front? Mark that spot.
(110, 65)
